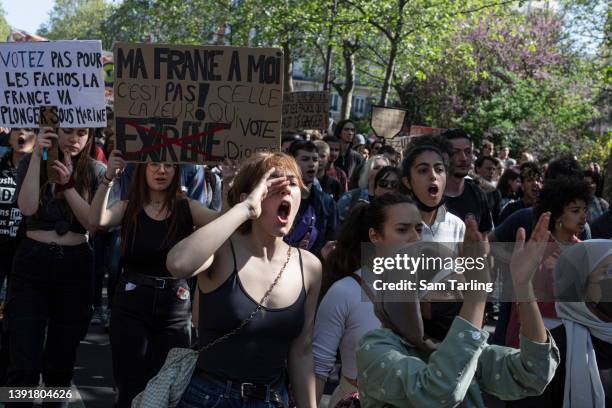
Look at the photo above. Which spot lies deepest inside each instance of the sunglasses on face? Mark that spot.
(388, 183)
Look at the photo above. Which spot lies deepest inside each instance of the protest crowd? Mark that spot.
(256, 262)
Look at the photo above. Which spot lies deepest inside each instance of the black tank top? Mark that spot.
(258, 352)
(148, 244)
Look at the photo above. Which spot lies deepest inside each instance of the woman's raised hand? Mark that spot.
(116, 164)
(267, 186)
(527, 256)
(44, 140)
(64, 170)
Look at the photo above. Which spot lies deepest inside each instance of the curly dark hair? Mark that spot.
(564, 166)
(557, 194)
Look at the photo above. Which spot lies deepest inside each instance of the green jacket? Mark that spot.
(392, 372)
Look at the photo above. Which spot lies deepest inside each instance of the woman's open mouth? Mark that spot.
(21, 141)
(284, 209)
(433, 191)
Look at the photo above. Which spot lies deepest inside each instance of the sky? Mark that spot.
(27, 14)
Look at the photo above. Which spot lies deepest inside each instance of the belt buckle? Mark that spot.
(160, 283)
(242, 389)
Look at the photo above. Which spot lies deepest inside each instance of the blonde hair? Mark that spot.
(322, 147)
(364, 175)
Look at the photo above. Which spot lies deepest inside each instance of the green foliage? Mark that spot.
(77, 19)
(4, 27)
(514, 74)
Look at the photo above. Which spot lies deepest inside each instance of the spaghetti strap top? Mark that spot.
(259, 351)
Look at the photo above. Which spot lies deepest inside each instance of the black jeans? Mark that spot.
(145, 324)
(48, 309)
(102, 247)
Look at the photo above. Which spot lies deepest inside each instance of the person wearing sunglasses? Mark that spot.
(387, 181)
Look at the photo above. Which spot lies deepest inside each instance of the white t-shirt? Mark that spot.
(344, 316)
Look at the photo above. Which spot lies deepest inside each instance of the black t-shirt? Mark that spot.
(54, 213)
(602, 226)
(554, 392)
(472, 201)
(510, 208)
(148, 242)
(10, 216)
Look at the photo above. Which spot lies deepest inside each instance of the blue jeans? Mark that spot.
(201, 393)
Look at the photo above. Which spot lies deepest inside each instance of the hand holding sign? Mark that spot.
(49, 121)
(44, 141)
(116, 164)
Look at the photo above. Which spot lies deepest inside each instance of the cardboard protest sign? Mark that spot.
(399, 143)
(387, 122)
(305, 110)
(179, 103)
(49, 118)
(424, 130)
(65, 74)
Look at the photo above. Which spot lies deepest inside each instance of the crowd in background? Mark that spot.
(184, 252)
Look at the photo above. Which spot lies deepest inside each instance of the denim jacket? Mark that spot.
(326, 217)
(393, 373)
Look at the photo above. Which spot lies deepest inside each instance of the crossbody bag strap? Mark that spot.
(364, 286)
(254, 312)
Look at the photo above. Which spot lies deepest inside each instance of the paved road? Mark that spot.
(93, 374)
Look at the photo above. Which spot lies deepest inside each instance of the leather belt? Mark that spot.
(247, 390)
(151, 281)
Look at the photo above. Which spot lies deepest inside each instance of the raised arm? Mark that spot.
(524, 263)
(99, 215)
(201, 215)
(29, 189)
(194, 254)
(78, 205)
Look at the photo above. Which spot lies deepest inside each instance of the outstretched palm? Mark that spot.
(527, 256)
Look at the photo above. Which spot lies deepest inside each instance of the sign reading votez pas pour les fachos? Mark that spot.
(199, 104)
(65, 74)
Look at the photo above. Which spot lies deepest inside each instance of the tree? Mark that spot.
(5, 29)
(77, 19)
(171, 21)
(409, 25)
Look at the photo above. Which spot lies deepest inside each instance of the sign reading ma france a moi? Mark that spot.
(178, 103)
(65, 74)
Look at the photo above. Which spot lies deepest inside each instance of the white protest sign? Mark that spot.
(66, 74)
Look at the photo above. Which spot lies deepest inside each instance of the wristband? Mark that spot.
(63, 187)
(110, 180)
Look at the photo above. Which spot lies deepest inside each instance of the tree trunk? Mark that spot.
(287, 69)
(608, 180)
(384, 96)
(349, 83)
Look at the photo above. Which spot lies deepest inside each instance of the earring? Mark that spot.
(560, 224)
